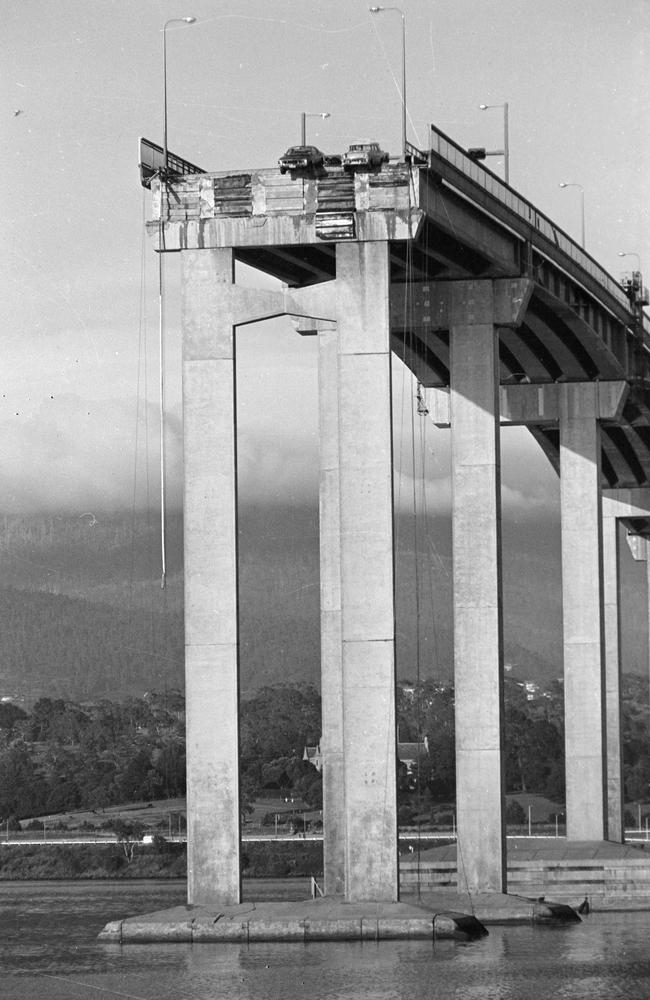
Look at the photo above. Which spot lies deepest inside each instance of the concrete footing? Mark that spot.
(314, 920)
(430, 917)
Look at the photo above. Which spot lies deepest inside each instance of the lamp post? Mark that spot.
(570, 184)
(505, 152)
(380, 10)
(304, 115)
(172, 20)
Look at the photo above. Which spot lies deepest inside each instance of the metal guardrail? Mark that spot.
(453, 153)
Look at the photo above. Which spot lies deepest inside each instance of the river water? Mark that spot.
(48, 949)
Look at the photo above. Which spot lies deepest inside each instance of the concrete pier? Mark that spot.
(582, 606)
(614, 747)
(367, 573)
(210, 539)
(478, 643)
(332, 744)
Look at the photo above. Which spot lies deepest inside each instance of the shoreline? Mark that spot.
(120, 862)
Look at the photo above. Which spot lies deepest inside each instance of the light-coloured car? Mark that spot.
(364, 156)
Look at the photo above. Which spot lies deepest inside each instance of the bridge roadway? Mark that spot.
(503, 318)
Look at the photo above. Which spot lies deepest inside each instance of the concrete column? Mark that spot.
(647, 576)
(582, 603)
(210, 527)
(478, 610)
(330, 617)
(640, 549)
(367, 575)
(614, 749)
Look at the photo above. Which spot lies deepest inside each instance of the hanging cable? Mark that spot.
(161, 338)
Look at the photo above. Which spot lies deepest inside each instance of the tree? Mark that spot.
(438, 723)
(128, 834)
(276, 725)
(136, 780)
(22, 789)
(10, 714)
(515, 815)
(534, 746)
(279, 722)
(169, 766)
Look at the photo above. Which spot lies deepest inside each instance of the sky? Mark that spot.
(82, 81)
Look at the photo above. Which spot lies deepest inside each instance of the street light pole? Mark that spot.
(172, 20)
(638, 297)
(565, 184)
(379, 10)
(506, 143)
(304, 115)
(505, 152)
(161, 307)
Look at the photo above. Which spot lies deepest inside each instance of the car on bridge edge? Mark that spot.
(364, 156)
(301, 158)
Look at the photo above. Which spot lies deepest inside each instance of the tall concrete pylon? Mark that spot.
(211, 577)
(367, 571)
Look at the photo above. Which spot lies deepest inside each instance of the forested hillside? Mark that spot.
(64, 647)
(83, 613)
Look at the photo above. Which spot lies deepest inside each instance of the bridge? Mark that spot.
(503, 319)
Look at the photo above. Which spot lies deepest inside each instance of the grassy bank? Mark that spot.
(103, 861)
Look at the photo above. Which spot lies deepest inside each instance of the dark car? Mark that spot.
(364, 156)
(301, 158)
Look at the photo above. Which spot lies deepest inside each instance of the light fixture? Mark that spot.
(172, 20)
(569, 184)
(380, 10)
(505, 152)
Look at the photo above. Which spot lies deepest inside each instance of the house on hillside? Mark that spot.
(409, 756)
(314, 756)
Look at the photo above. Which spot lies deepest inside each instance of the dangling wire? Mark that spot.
(409, 338)
(161, 373)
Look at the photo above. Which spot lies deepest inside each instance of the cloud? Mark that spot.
(277, 469)
(75, 453)
(529, 485)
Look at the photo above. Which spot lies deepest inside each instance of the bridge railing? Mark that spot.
(447, 149)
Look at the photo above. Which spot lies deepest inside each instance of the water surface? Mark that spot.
(49, 949)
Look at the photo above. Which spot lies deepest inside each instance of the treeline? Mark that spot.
(534, 742)
(534, 746)
(64, 756)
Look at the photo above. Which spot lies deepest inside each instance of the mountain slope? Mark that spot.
(84, 616)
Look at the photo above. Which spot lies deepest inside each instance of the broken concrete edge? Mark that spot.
(458, 926)
(524, 909)
(544, 913)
